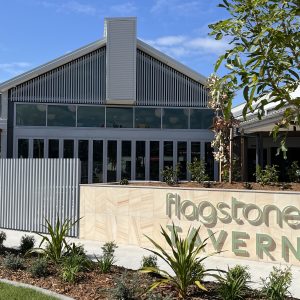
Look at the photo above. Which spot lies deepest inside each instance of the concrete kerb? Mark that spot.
(35, 288)
(130, 257)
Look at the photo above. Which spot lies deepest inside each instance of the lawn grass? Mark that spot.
(11, 292)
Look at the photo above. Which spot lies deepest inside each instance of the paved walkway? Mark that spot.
(130, 257)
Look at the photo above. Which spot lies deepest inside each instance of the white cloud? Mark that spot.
(180, 46)
(124, 9)
(14, 68)
(70, 6)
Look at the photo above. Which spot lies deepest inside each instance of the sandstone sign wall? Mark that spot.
(254, 225)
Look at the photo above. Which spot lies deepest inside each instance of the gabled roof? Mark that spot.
(4, 86)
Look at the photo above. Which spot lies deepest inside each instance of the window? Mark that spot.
(126, 160)
(195, 151)
(182, 159)
(23, 148)
(97, 161)
(119, 117)
(68, 148)
(111, 161)
(175, 118)
(168, 154)
(83, 155)
(53, 148)
(90, 116)
(201, 118)
(31, 115)
(209, 160)
(154, 160)
(61, 115)
(140, 160)
(38, 148)
(147, 117)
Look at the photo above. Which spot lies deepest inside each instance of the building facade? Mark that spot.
(124, 108)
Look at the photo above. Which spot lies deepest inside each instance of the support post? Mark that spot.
(230, 153)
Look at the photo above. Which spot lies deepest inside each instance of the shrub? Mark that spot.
(149, 261)
(27, 243)
(13, 262)
(197, 170)
(207, 184)
(184, 262)
(75, 249)
(107, 259)
(266, 176)
(276, 285)
(294, 172)
(39, 268)
(247, 185)
(234, 285)
(170, 175)
(2, 238)
(56, 245)
(124, 181)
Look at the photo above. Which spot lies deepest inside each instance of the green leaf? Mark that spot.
(246, 93)
(218, 63)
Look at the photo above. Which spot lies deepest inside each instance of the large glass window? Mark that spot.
(97, 161)
(31, 115)
(140, 160)
(195, 151)
(175, 118)
(61, 115)
(126, 160)
(23, 148)
(168, 154)
(209, 160)
(147, 118)
(83, 155)
(154, 160)
(182, 159)
(111, 161)
(90, 116)
(68, 148)
(38, 148)
(119, 117)
(201, 118)
(53, 148)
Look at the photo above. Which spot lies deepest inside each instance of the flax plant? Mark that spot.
(184, 261)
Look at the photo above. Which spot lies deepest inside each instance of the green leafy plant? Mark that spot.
(207, 184)
(234, 285)
(56, 245)
(266, 176)
(294, 172)
(276, 285)
(27, 243)
(107, 259)
(149, 261)
(197, 170)
(184, 262)
(248, 185)
(124, 181)
(2, 238)
(39, 268)
(13, 262)
(170, 175)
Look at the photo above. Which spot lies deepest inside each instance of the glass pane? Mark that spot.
(126, 160)
(154, 160)
(140, 160)
(53, 148)
(61, 115)
(68, 148)
(83, 155)
(195, 151)
(31, 115)
(147, 118)
(201, 118)
(90, 116)
(182, 159)
(38, 148)
(175, 118)
(23, 148)
(97, 161)
(119, 117)
(111, 161)
(168, 154)
(209, 160)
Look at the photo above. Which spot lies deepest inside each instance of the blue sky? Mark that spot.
(35, 31)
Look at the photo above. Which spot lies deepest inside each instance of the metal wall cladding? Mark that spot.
(82, 80)
(32, 190)
(160, 85)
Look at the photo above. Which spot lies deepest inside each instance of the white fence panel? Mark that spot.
(32, 190)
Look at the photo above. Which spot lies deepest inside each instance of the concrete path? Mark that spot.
(130, 257)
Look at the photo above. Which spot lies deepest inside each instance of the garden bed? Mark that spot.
(92, 284)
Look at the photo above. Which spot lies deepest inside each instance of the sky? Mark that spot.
(33, 32)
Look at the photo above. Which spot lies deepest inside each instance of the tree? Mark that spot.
(263, 58)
